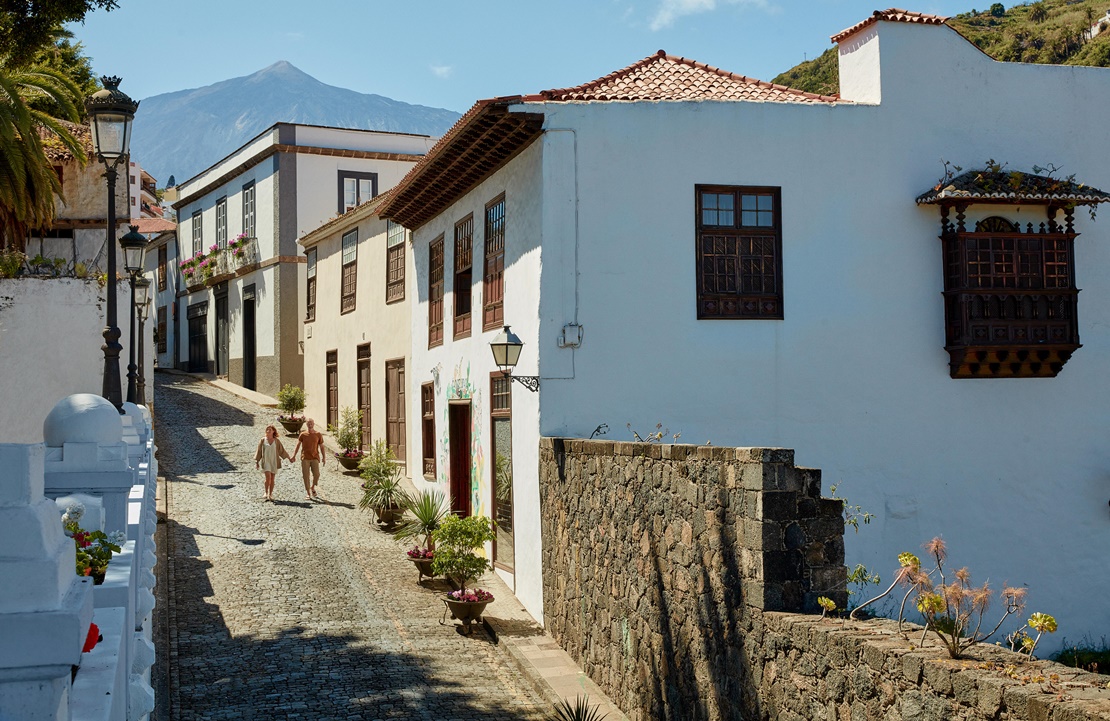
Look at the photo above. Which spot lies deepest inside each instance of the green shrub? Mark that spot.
(348, 434)
(457, 540)
(291, 399)
(11, 262)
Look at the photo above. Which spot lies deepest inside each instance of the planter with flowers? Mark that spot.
(424, 513)
(348, 434)
(382, 490)
(291, 400)
(94, 548)
(238, 248)
(458, 541)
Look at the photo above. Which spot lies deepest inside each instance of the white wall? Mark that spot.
(1013, 473)
(381, 142)
(461, 368)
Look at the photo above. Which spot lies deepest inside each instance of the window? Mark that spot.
(248, 209)
(464, 253)
(161, 329)
(435, 293)
(310, 290)
(350, 255)
(395, 408)
(162, 260)
(739, 252)
(428, 428)
(221, 222)
(501, 432)
(355, 189)
(493, 284)
(394, 262)
(331, 369)
(198, 235)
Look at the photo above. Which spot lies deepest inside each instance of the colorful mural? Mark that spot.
(461, 388)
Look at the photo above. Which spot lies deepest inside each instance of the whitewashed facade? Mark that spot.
(245, 321)
(601, 240)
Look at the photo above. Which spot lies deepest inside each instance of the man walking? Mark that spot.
(311, 444)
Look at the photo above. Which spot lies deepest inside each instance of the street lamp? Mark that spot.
(110, 114)
(134, 252)
(506, 352)
(142, 305)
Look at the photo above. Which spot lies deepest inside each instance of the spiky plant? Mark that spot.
(581, 710)
(427, 511)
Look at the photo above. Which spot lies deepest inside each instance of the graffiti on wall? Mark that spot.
(460, 387)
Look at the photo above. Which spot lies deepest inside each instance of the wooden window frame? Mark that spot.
(463, 279)
(428, 429)
(221, 222)
(163, 261)
(349, 271)
(357, 176)
(435, 292)
(310, 284)
(744, 257)
(493, 272)
(160, 315)
(249, 210)
(394, 262)
(503, 410)
(198, 232)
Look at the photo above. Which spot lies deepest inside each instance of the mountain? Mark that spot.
(184, 132)
(1063, 32)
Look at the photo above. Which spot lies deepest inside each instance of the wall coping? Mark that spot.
(667, 451)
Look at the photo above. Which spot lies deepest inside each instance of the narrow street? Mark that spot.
(295, 609)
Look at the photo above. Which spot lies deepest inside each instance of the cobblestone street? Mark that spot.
(294, 609)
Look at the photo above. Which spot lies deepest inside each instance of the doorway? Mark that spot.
(222, 341)
(198, 337)
(459, 443)
(249, 348)
(363, 360)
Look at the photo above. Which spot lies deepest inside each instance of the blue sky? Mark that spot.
(449, 54)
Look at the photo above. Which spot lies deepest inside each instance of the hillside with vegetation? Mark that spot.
(1059, 32)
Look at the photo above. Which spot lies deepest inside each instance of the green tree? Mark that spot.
(27, 26)
(1038, 12)
(998, 10)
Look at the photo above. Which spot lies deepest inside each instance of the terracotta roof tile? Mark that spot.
(56, 151)
(891, 15)
(985, 186)
(154, 225)
(666, 77)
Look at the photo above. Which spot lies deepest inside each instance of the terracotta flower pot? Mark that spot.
(468, 612)
(423, 568)
(349, 463)
(389, 516)
(292, 426)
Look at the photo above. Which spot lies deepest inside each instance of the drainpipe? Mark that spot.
(571, 335)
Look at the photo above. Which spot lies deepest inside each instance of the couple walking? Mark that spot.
(270, 453)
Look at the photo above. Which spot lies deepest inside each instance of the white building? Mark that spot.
(241, 219)
(747, 265)
(359, 290)
(162, 257)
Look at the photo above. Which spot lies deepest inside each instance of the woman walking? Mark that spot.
(268, 457)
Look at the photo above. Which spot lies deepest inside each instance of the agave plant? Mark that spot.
(581, 710)
(384, 494)
(427, 512)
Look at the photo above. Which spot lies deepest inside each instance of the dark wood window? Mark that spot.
(362, 360)
(464, 261)
(161, 329)
(350, 258)
(395, 408)
(501, 432)
(493, 279)
(1010, 297)
(428, 428)
(248, 209)
(198, 233)
(310, 290)
(739, 252)
(435, 293)
(332, 384)
(221, 222)
(394, 262)
(355, 189)
(163, 259)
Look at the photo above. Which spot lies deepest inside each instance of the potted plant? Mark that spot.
(382, 490)
(426, 511)
(457, 542)
(348, 434)
(291, 400)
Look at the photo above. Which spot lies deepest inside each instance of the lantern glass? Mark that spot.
(134, 250)
(142, 291)
(506, 348)
(111, 135)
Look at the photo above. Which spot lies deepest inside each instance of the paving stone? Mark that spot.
(299, 610)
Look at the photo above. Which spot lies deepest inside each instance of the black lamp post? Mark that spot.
(142, 306)
(506, 352)
(110, 115)
(134, 252)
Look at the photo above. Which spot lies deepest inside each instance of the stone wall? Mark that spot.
(651, 553)
(666, 572)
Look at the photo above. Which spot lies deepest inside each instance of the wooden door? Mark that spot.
(395, 433)
(249, 345)
(332, 370)
(459, 443)
(222, 340)
(364, 392)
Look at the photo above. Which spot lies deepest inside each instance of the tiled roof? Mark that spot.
(154, 225)
(353, 216)
(891, 15)
(983, 186)
(56, 151)
(666, 77)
